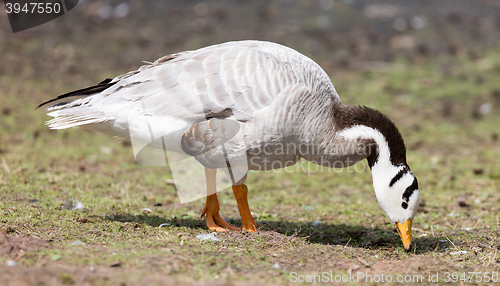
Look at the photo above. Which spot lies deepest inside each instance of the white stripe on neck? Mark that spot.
(382, 170)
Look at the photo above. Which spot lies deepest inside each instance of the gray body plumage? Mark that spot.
(282, 101)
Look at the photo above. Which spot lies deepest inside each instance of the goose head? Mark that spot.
(397, 192)
(396, 187)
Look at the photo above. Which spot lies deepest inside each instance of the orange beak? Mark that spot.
(404, 230)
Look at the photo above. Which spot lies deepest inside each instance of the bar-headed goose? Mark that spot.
(248, 99)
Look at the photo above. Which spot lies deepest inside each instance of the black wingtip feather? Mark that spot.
(84, 91)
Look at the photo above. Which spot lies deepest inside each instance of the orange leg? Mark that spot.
(211, 210)
(247, 221)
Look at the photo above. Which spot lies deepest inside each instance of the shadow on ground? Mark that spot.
(327, 234)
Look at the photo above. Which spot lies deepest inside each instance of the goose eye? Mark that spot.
(404, 205)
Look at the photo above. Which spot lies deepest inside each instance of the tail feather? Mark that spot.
(68, 118)
(69, 111)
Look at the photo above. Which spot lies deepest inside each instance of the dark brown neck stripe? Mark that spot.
(348, 116)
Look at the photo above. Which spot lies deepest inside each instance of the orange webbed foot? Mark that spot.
(214, 221)
(247, 221)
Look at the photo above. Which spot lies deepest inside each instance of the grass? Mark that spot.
(312, 222)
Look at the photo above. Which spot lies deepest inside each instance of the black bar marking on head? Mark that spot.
(399, 175)
(409, 191)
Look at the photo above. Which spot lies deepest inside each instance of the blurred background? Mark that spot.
(339, 34)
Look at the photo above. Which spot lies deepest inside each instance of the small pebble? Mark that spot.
(77, 242)
(485, 108)
(207, 236)
(276, 266)
(106, 150)
(72, 204)
(11, 263)
(478, 171)
(463, 204)
(316, 223)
